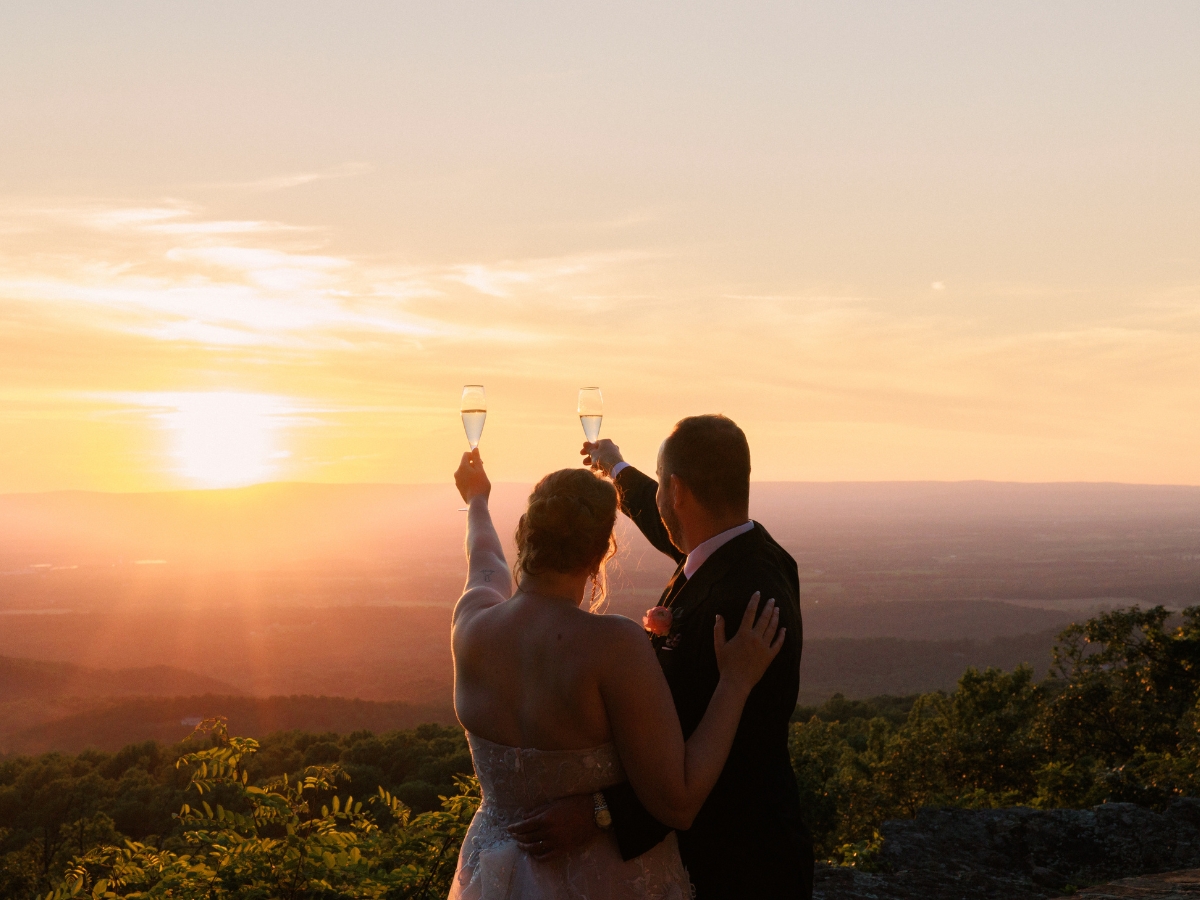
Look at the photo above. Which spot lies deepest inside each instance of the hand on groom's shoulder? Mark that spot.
(772, 572)
(740, 584)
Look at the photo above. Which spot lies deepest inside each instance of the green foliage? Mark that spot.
(288, 838)
(136, 793)
(1128, 682)
(1116, 720)
(838, 709)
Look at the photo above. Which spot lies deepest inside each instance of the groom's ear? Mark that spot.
(678, 489)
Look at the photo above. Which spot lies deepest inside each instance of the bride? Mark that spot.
(557, 701)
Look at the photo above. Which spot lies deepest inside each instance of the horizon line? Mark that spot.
(421, 484)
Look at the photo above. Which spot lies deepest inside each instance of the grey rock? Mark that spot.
(1167, 886)
(1019, 853)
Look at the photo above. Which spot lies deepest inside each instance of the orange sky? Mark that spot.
(930, 241)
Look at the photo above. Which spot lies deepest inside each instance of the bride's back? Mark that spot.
(526, 675)
(527, 669)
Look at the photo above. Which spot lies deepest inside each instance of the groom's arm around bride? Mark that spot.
(748, 839)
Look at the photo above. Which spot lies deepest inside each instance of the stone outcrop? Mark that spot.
(1022, 854)
(1169, 886)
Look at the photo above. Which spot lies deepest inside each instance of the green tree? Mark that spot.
(279, 840)
(1121, 720)
(1127, 682)
(1118, 719)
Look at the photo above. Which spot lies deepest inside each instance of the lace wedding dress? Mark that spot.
(515, 782)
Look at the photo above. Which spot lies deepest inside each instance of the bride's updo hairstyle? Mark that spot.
(568, 527)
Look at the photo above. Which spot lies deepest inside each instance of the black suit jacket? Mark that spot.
(748, 839)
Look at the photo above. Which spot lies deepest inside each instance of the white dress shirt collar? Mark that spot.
(702, 552)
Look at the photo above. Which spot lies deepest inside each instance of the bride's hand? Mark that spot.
(470, 479)
(744, 659)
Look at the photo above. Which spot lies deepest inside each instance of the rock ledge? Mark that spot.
(1169, 886)
(1028, 854)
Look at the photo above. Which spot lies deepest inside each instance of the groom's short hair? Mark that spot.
(711, 455)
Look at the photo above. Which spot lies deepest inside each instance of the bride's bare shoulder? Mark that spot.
(620, 633)
(474, 600)
(621, 654)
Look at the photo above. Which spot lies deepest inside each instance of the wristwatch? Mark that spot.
(600, 810)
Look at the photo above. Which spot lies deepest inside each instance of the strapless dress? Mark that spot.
(516, 781)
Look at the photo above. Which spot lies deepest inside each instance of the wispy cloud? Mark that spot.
(293, 179)
(505, 278)
(169, 273)
(170, 218)
(273, 269)
(122, 218)
(490, 281)
(220, 227)
(271, 305)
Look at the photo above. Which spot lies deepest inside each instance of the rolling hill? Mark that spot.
(118, 723)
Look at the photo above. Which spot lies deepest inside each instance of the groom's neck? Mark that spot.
(704, 525)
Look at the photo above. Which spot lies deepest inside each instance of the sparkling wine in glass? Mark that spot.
(474, 412)
(591, 412)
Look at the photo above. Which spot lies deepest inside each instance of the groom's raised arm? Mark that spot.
(634, 828)
(636, 493)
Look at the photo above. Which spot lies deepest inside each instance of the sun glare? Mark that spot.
(225, 439)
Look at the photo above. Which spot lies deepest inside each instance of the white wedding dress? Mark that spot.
(515, 782)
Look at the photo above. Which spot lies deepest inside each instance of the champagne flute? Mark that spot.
(591, 412)
(474, 414)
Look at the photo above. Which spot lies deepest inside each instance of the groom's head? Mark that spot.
(703, 479)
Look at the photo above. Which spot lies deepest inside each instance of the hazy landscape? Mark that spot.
(267, 272)
(126, 616)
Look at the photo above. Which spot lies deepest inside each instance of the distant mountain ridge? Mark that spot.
(870, 667)
(29, 679)
(933, 620)
(265, 523)
(33, 719)
(37, 693)
(855, 542)
(289, 522)
(345, 590)
(116, 724)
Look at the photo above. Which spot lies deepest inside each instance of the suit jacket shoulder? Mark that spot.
(723, 586)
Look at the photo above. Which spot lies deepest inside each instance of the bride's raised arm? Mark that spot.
(673, 778)
(489, 580)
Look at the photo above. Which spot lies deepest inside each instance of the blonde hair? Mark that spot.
(568, 527)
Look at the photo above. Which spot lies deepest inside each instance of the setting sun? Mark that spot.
(224, 439)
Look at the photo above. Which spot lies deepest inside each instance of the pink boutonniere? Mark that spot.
(657, 621)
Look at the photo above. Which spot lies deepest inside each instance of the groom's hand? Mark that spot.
(602, 455)
(557, 828)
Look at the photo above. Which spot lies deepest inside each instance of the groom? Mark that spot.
(748, 839)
